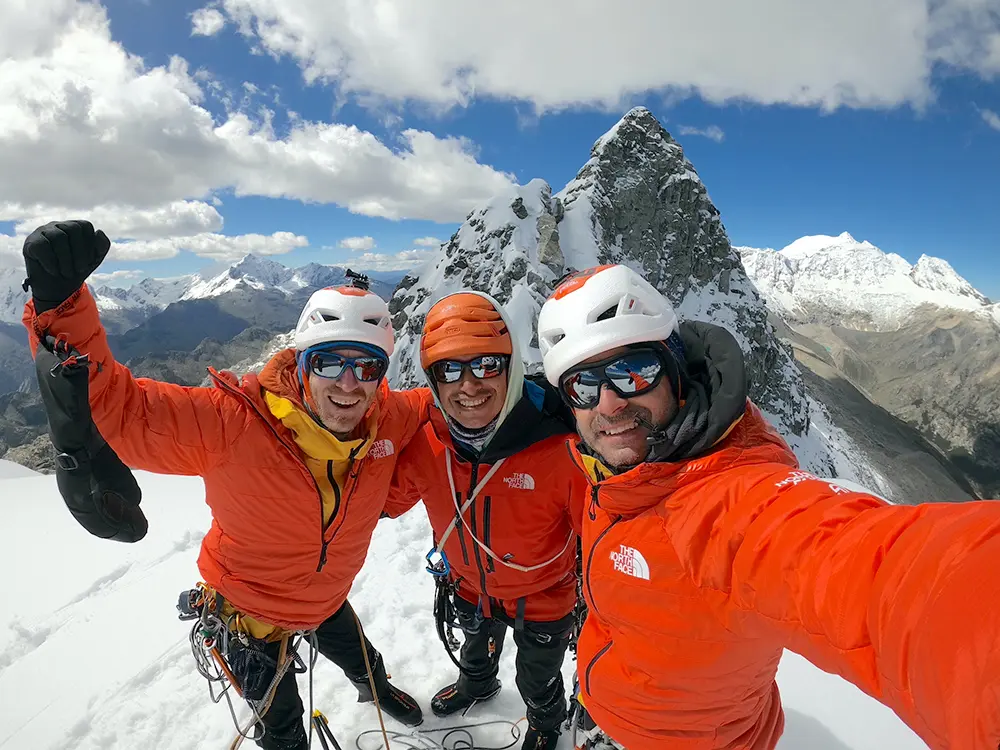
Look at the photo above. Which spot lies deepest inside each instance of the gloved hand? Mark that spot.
(58, 258)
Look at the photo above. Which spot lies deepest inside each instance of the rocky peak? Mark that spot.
(637, 201)
(937, 274)
(268, 272)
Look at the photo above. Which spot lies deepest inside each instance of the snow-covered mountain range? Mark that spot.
(918, 340)
(151, 294)
(841, 281)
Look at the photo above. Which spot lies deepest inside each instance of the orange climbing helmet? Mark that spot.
(462, 325)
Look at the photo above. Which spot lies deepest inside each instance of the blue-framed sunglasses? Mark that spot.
(329, 363)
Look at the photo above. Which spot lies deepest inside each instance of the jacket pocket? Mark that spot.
(593, 662)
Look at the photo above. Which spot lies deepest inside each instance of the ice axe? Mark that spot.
(98, 489)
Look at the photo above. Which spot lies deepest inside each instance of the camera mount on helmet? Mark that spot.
(358, 280)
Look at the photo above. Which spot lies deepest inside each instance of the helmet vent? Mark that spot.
(609, 313)
(327, 317)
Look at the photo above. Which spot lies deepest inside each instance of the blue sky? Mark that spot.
(910, 177)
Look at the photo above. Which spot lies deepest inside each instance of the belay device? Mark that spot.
(99, 490)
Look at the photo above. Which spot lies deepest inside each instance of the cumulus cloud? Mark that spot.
(86, 124)
(991, 118)
(401, 261)
(207, 22)
(357, 243)
(853, 52)
(427, 242)
(209, 245)
(117, 278)
(714, 132)
(175, 219)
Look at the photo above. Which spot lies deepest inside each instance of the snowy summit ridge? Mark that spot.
(637, 201)
(839, 280)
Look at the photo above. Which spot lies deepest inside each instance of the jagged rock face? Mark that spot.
(637, 201)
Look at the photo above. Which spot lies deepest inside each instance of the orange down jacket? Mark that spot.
(697, 573)
(524, 513)
(267, 551)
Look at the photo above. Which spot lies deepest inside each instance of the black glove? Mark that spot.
(58, 258)
(99, 490)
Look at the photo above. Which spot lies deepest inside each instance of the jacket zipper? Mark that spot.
(486, 532)
(472, 518)
(239, 394)
(593, 549)
(336, 492)
(352, 477)
(586, 676)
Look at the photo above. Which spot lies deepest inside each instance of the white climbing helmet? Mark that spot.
(345, 313)
(597, 310)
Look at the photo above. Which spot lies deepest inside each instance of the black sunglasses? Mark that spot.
(630, 374)
(483, 368)
(331, 365)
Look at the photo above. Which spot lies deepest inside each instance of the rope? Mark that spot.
(455, 737)
(371, 680)
(461, 517)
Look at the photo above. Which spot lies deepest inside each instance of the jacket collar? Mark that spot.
(752, 440)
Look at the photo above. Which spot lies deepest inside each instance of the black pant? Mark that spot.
(541, 647)
(338, 640)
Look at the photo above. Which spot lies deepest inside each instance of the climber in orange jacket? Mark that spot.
(707, 550)
(297, 464)
(499, 488)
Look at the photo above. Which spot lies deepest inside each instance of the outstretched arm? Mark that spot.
(903, 601)
(159, 427)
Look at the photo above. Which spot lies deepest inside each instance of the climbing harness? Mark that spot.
(230, 659)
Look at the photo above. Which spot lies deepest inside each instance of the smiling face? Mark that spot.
(473, 402)
(612, 428)
(341, 404)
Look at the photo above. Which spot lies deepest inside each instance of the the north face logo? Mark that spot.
(382, 449)
(630, 561)
(520, 481)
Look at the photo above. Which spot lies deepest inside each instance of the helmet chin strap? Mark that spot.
(657, 435)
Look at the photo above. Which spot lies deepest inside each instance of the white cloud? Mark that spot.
(10, 251)
(713, 132)
(117, 278)
(357, 243)
(176, 219)
(207, 22)
(853, 52)
(401, 261)
(991, 118)
(216, 246)
(85, 124)
(427, 242)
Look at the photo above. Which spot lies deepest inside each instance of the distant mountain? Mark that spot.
(918, 340)
(124, 308)
(838, 280)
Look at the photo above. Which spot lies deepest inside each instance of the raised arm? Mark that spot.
(160, 427)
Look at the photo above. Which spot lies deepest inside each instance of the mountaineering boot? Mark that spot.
(391, 699)
(539, 739)
(450, 700)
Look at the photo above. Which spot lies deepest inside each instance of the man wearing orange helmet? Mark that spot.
(499, 488)
(297, 463)
(707, 551)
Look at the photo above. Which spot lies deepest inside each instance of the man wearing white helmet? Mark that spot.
(297, 463)
(707, 551)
